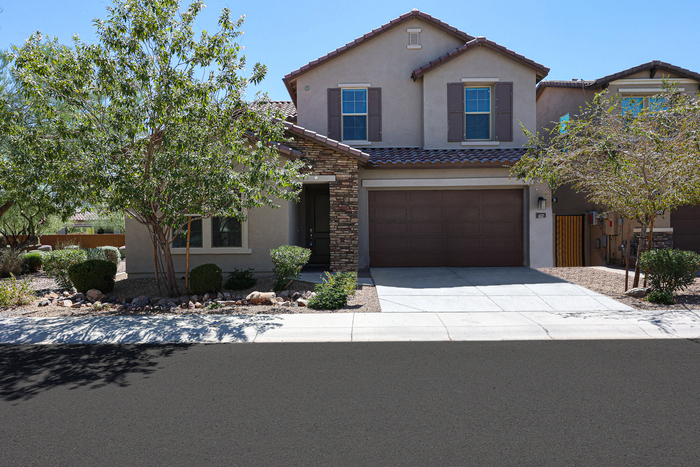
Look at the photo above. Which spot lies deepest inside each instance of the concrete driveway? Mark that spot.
(403, 290)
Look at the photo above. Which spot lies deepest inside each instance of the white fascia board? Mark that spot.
(440, 182)
(319, 179)
(647, 81)
(354, 85)
(413, 30)
(644, 90)
(480, 80)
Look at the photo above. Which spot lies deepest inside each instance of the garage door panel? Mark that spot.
(446, 228)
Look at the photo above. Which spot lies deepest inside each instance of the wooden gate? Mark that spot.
(569, 232)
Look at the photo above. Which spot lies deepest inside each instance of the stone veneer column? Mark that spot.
(343, 200)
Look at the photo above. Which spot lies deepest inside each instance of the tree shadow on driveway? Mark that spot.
(28, 370)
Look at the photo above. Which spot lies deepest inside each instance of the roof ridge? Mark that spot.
(374, 32)
(476, 42)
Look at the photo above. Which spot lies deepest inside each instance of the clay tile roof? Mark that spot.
(646, 66)
(541, 70)
(326, 141)
(375, 32)
(428, 157)
(579, 83)
(86, 216)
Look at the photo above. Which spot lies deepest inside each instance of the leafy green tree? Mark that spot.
(161, 117)
(38, 181)
(640, 161)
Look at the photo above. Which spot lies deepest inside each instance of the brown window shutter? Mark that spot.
(504, 111)
(334, 114)
(374, 114)
(455, 112)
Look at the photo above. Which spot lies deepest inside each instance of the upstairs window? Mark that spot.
(354, 113)
(632, 105)
(413, 38)
(477, 109)
(563, 121)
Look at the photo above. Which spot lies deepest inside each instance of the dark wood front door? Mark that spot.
(318, 223)
(686, 228)
(446, 228)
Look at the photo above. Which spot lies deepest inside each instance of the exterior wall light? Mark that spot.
(541, 203)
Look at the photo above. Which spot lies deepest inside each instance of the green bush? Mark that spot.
(669, 270)
(56, 264)
(93, 274)
(240, 279)
(15, 293)
(96, 253)
(112, 253)
(122, 252)
(333, 293)
(662, 297)
(206, 278)
(33, 261)
(288, 261)
(10, 262)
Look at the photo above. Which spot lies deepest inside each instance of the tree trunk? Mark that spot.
(637, 269)
(163, 244)
(650, 245)
(5, 207)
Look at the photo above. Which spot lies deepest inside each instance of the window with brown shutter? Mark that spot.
(455, 112)
(504, 111)
(334, 114)
(374, 115)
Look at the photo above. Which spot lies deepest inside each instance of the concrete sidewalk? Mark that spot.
(353, 327)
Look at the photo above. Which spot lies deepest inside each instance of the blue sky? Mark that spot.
(574, 39)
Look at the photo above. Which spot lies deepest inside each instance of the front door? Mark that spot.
(318, 223)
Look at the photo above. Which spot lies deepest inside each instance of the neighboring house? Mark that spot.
(410, 131)
(87, 220)
(588, 241)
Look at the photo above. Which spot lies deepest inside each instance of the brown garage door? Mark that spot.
(686, 228)
(446, 228)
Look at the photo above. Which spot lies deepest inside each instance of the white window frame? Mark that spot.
(413, 32)
(489, 113)
(208, 249)
(343, 114)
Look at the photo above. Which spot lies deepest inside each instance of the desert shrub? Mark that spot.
(112, 253)
(122, 252)
(67, 245)
(662, 297)
(93, 274)
(10, 262)
(206, 278)
(333, 293)
(57, 262)
(96, 253)
(15, 293)
(669, 270)
(288, 261)
(32, 261)
(240, 279)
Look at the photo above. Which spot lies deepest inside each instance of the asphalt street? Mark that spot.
(566, 403)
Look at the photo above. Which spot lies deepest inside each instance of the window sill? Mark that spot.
(357, 143)
(212, 251)
(413, 47)
(481, 143)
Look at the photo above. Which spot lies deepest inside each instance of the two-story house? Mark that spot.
(410, 131)
(582, 238)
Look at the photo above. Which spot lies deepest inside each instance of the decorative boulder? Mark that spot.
(638, 292)
(261, 298)
(45, 248)
(95, 295)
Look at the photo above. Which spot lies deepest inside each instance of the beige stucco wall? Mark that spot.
(480, 62)
(267, 229)
(553, 103)
(383, 62)
(538, 233)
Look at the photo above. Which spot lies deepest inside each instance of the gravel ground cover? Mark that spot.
(612, 284)
(364, 300)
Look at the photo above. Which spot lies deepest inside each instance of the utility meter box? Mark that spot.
(611, 224)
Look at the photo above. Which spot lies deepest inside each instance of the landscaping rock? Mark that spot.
(66, 303)
(302, 302)
(94, 295)
(140, 301)
(66, 294)
(44, 303)
(45, 248)
(261, 298)
(77, 305)
(638, 292)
